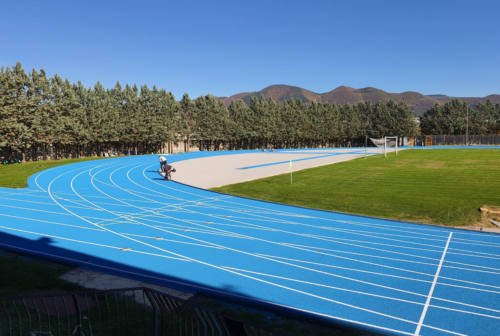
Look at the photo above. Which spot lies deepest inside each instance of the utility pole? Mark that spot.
(467, 128)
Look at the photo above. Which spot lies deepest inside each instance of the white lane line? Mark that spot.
(172, 240)
(26, 201)
(280, 212)
(474, 242)
(345, 230)
(429, 296)
(28, 219)
(363, 293)
(316, 236)
(36, 180)
(260, 239)
(273, 230)
(92, 243)
(472, 253)
(319, 250)
(260, 256)
(387, 227)
(227, 270)
(396, 276)
(324, 285)
(34, 209)
(205, 288)
(472, 269)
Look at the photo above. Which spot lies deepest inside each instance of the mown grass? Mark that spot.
(444, 187)
(16, 175)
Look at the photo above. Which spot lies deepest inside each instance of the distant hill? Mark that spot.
(417, 102)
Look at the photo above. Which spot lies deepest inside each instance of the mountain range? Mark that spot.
(417, 102)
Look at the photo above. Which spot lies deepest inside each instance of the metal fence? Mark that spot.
(122, 312)
(444, 140)
(137, 311)
(144, 311)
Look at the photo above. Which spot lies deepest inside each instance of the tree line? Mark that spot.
(48, 117)
(458, 118)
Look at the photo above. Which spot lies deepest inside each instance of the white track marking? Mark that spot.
(317, 250)
(139, 185)
(171, 240)
(36, 180)
(295, 215)
(34, 209)
(270, 259)
(317, 237)
(472, 269)
(392, 227)
(49, 222)
(324, 285)
(21, 192)
(91, 243)
(350, 231)
(244, 252)
(429, 296)
(365, 293)
(383, 274)
(236, 273)
(35, 202)
(210, 289)
(465, 304)
(280, 243)
(366, 242)
(257, 219)
(395, 276)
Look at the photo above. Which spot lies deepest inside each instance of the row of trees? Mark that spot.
(43, 117)
(457, 118)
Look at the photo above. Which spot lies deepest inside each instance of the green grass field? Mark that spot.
(16, 175)
(443, 187)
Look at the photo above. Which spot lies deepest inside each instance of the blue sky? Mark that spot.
(227, 47)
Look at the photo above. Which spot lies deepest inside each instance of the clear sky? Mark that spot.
(226, 47)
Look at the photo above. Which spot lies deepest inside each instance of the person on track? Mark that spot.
(163, 163)
(168, 172)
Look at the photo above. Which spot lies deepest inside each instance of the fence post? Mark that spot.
(79, 316)
(155, 321)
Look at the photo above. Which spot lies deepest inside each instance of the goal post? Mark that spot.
(385, 143)
(389, 141)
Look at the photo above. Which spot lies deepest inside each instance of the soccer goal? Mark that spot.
(386, 143)
(390, 141)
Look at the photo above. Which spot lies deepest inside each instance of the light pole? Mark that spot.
(467, 128)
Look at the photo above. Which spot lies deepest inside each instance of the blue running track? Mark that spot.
(119, 216)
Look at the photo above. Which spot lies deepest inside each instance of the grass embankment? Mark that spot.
(21, 276)
(443, 187)
(16, 175)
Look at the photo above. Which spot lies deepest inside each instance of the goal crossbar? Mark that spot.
(390, 139)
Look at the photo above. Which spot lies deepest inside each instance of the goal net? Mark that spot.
(386, 143)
